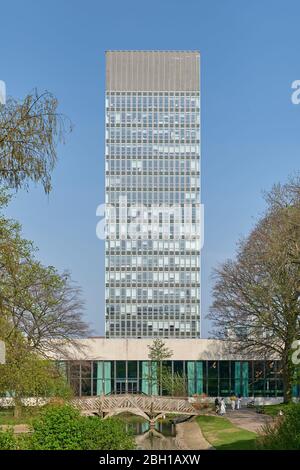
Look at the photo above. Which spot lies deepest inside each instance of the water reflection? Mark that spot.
(162, 437)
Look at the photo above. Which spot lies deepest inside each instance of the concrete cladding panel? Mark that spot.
(152, 71)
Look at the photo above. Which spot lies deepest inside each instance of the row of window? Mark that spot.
(132, 150)
(185, 277)
(151, 134)
(110, 93)
(149, 101)
(153, 261)
(215, 378)
(167, 247)
(144, 333)
(163, 182)
(150, 166)
(152, 310)
(123, 329)
(149, 198)
(155, 293)
(153, 245)
(152, 120)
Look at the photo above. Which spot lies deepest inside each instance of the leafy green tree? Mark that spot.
(29, 133)
(159, 352)
(26, 374)
(40, 314)
(36, 300)
(256, 304)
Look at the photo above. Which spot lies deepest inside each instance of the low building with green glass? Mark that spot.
(116, 366)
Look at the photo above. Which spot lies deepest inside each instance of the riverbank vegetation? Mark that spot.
(284, 432)
(61, 427)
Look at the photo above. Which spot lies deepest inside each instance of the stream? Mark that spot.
(163, 437)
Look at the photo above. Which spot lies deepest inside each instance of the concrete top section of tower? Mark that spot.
(153, 71)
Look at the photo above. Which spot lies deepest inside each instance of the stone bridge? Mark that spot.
(151, 408)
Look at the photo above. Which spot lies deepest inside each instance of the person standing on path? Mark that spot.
(217, 405)
(223, 407)
(233, 403)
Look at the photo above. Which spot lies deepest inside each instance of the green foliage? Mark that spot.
(27, 374)
(174, 384)
(62, 427)
(8, 440)
(58, 427)
(109, 434)
(37, 301)
(284, 433)
(158, 351)
(40, 312)
(272, 410)
(29, 133)
(256, 306)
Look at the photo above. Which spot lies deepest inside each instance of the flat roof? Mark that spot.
(103, 349)
(153, 71)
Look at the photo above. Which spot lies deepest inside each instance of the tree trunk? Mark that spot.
(288, 372)
(17, 408)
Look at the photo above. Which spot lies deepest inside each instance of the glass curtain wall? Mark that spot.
(213, 378)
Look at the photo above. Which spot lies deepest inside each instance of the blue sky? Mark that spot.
(250, 128)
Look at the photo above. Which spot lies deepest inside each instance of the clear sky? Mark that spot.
(250, 128)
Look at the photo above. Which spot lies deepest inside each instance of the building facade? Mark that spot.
(152, 194)
(116, 366)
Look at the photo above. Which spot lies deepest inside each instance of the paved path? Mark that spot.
(18, 428)
(190, 437)
(248, 419)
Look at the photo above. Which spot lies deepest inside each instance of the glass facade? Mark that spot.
(152, 197)
(214, 378)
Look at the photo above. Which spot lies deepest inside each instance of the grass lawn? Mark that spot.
(28, 414)
(223, 435)
(272, 410)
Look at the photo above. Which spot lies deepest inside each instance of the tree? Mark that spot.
(40, 309)
(46, 307)
(26, 374)
(36, 300)
(285, 200)
(174, 384)
(256, 297)
(158, 351)
(29, 133)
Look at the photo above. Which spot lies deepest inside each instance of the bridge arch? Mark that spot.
(133, 411)
(151, 408)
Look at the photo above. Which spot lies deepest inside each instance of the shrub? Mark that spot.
(8, 440)
(201, 402)
(284, 432)
(62, 427)
(57, 427)
(108, 434)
